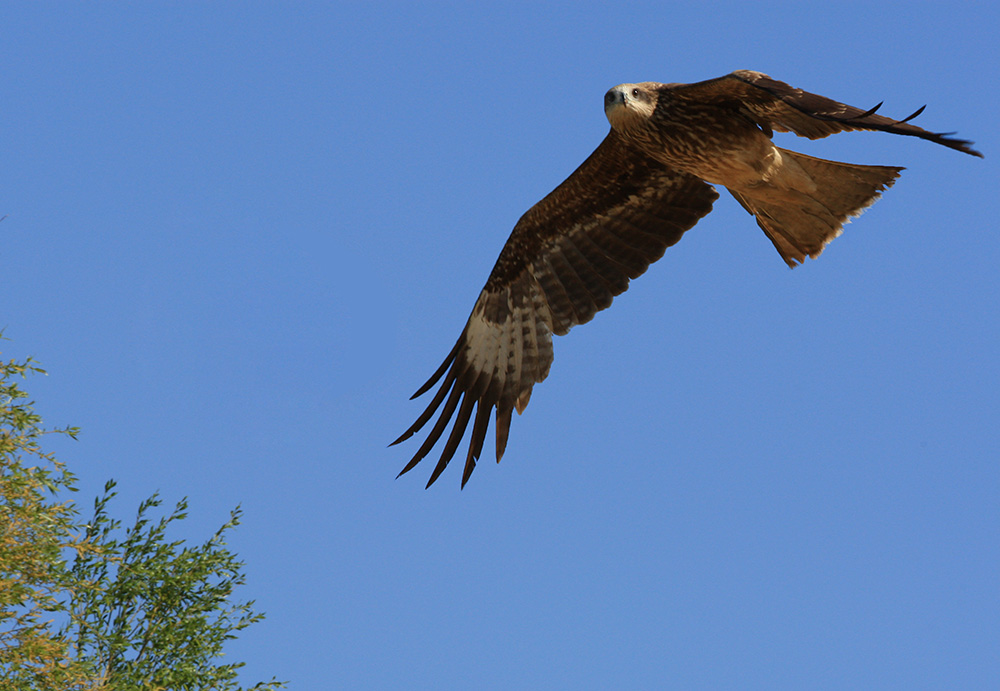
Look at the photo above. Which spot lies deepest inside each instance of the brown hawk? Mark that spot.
(644, 186)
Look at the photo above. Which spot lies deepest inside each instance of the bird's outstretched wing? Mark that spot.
(565, 260)
(777, 106)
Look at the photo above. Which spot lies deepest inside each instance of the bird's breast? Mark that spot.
(714, 144)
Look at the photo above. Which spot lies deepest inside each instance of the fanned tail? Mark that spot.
(802, 220)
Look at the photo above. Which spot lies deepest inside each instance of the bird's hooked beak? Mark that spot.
(614, 99)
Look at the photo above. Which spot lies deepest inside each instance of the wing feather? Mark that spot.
(614, 273)
(776, 105)
(579, 296)
(596, 294)
(461, 420)
(565, 260)
(479, 428)
(562, 315)
(439, 426)
(625, 255)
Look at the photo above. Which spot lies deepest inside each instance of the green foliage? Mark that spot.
(36, 530)
(135, 610)
(156, 614)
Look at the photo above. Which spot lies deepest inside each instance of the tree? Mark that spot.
(36, 531)
(148, 613)
(92, 606)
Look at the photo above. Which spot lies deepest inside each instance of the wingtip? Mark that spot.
(403, 437)
(440, 370)
(503, 430)
(963, 145)
(917, 112)
(871, 111)
(470, 464)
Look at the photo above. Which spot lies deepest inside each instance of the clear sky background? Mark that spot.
(240, 235)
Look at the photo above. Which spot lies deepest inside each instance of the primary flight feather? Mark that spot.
(642, 188)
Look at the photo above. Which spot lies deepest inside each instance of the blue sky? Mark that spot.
(240, 235)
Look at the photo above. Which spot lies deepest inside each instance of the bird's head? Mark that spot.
(629, 104)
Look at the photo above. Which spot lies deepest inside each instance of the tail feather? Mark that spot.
(802, 222)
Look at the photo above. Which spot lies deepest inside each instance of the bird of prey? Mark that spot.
(645, 185)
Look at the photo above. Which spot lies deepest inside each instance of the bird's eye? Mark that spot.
(635, 93)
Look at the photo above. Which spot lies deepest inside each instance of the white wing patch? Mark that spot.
(510, 341)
